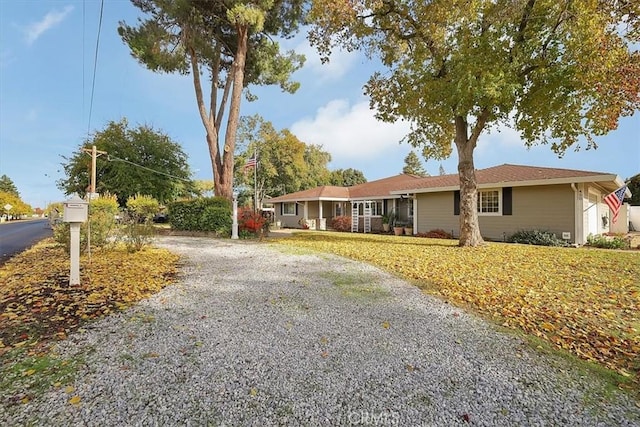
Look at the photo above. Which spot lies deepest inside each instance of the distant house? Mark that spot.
(568, 203)
(364, 203)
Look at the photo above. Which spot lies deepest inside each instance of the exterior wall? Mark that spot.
(634, 217)
(288, 221)
(624, 218)
(313, 212)
(549, 207)
(435, 211)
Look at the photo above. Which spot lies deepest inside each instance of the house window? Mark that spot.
(489, 202)
(376, 208)
(338, 211)
(289, 208)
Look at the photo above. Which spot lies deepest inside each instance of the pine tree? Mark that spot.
(412, 165)
(7, 185)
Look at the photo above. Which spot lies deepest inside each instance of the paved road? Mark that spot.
(16, 236)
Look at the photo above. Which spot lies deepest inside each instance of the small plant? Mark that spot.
(390, 217)
(604, 242)
(100, 225)
(303, 223)
(536, 237)
(341, 223)
(436, 234)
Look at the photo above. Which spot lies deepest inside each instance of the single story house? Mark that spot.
(364, 203)
(568, 203)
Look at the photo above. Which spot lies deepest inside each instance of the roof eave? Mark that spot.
(525, 183)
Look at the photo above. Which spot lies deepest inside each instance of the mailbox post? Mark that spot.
(234, 218)
(75, 213)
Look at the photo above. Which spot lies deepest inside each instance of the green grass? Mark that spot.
(24, 377)
(356, 285)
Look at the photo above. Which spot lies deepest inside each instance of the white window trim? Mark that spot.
(294, 208)
(486, 190)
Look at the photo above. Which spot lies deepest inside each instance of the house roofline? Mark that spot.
(527, 183)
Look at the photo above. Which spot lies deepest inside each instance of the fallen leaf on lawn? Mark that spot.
(69, 389)
(75, 400)
(385, 324)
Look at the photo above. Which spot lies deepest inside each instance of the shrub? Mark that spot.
(101, 223)
(604, 242)
(203, 214)
(436, 234)
(341, 223)
(142, 207)
(217, 220)
(251, 222)
(536, 237)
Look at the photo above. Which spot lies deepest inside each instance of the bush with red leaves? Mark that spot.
(250, 221)
(436, 234)
(341, 223)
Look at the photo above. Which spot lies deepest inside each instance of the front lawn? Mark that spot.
(586, 301)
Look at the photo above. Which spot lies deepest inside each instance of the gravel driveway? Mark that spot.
(253, 334)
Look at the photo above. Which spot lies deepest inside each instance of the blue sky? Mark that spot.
(47, 53)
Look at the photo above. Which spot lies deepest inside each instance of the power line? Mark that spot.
(112, 158)
(95, 66)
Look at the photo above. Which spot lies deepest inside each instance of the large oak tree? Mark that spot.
(138, 161)
(233, 44)
(555, 70)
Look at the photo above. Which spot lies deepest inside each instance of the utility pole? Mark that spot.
(94, 155)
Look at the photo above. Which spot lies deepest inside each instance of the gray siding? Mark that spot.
(435, 211)
(548, 207)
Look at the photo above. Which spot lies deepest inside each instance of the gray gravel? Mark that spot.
(256, 334)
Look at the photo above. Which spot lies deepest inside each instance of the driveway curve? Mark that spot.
(256, 334)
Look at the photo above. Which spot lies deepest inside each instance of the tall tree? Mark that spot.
(413, 166)
(317, 161)
(281, 166)
(553, 70)
(234, 42)
(7, 186)
(347, 177)
(138, 161)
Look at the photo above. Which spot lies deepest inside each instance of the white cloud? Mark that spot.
(503, 135)
(349, 132)
(36, 29)
(339, 63)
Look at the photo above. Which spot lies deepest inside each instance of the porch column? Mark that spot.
(414, 200)
(306, 210)
(320, 209)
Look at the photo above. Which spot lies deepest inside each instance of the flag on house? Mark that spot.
(614, 201)
(250, 163)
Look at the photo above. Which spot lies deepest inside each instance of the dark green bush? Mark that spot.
(204, 214)
(606, 242)
(536, 237)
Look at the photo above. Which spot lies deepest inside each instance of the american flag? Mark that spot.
(250, 163)
(614, 201)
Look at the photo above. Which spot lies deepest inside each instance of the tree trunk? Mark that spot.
(469, 226)
(224, 179)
